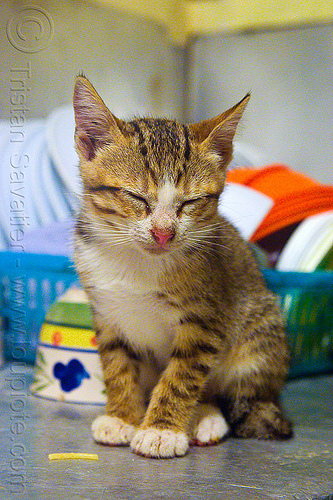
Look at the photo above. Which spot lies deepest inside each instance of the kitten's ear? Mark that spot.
(216, 135)
(95, 124)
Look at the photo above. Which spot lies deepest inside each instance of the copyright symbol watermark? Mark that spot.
(30, 30)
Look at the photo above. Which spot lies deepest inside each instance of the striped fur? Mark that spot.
(186, 327)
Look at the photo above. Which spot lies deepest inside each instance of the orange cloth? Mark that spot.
(295, 195)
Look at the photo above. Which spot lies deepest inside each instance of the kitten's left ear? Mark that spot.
(216, 135)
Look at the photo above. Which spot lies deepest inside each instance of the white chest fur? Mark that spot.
(125, 291)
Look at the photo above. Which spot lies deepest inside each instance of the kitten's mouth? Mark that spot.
(153, 248)
(157, 250)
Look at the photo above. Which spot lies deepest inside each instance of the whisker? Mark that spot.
(204, 243)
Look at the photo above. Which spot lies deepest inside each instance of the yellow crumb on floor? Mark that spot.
(75, 456)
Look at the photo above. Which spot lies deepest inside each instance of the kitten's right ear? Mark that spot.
(95, 124)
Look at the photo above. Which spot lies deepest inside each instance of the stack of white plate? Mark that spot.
(308, 245)
(60, 129)
(4, 135)
(49, 185)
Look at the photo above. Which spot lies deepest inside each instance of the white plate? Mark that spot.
(53, 187)
(303, 239)
(40, 209)
(24, 189)
(296, 246)
(60, 129)
(319, 249)
(3, 241)
(56, 207)
(5, 156)
(4, 133)
(4, 142)
(244, 207)
(42, 204)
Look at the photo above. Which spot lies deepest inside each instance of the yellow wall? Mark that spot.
(169, 13)
(229, 15)
(185, 18)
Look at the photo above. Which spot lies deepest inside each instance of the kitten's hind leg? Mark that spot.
(208, 426)
(262, 420)
(253, 372)
(250, 401)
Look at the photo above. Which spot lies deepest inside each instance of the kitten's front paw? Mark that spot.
(211, 426)
(112, 430)
(159, 443)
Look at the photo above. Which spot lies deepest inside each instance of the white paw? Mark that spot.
(159, 443)
(211, 427)
(112, 430)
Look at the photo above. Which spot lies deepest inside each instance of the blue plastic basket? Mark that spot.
(29, 284)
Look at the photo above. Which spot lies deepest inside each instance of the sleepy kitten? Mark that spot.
(182, 315)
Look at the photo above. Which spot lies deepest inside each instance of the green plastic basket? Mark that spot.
(307, 304)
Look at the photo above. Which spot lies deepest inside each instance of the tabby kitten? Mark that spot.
(183, 319)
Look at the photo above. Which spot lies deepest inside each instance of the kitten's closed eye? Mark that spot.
(113, 194)
(196, 202)
(139, 200)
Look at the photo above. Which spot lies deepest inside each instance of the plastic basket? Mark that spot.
(29, 284)
(307, 304)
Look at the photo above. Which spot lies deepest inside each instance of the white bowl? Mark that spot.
(67, 364)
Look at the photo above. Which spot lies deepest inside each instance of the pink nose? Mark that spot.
(162, 237)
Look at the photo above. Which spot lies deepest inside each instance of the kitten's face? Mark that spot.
(151, 184)
(156, 191)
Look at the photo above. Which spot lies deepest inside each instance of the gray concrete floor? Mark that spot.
(236, 469)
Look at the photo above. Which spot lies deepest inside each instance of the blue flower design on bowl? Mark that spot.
(70, 375)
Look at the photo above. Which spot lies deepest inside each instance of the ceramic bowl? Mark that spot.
(67, 363)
